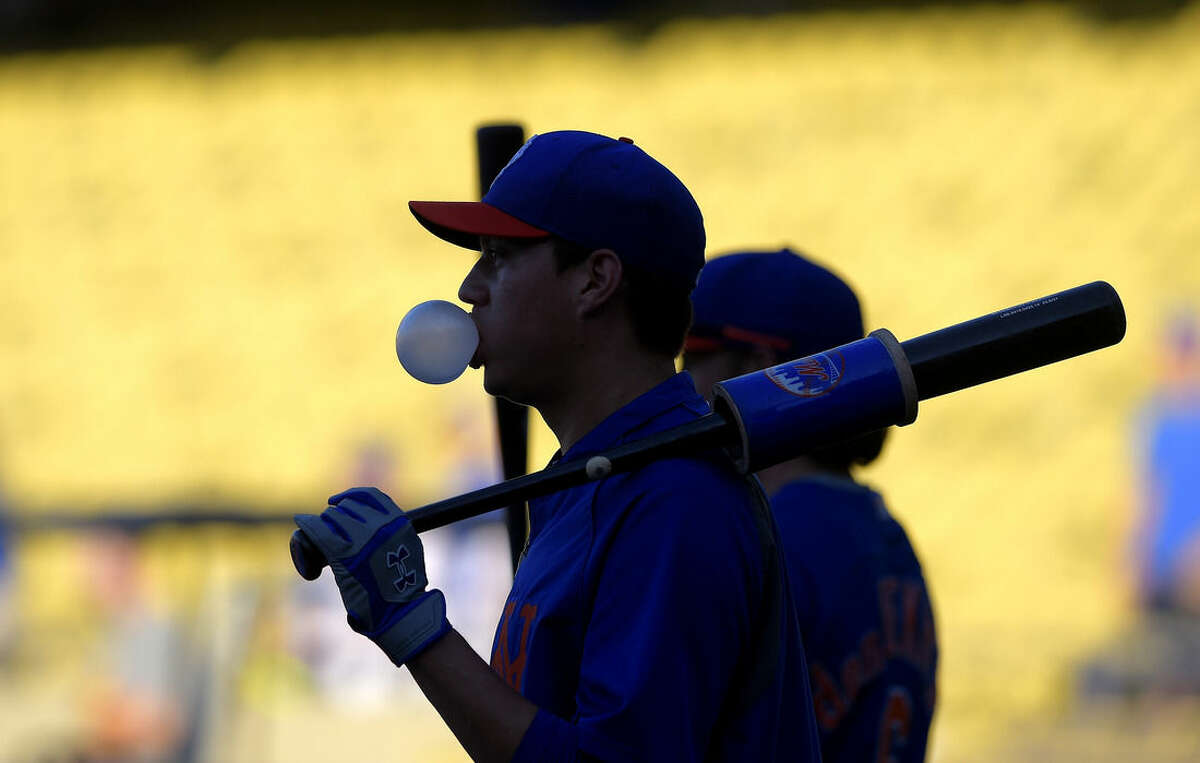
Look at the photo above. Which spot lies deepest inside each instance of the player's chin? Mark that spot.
(493, 382)
(498, 384)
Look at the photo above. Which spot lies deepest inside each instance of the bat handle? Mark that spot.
(306, 557)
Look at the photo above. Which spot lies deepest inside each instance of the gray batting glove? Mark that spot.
(379, 565)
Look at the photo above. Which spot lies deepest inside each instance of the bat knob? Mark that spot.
(306, 557)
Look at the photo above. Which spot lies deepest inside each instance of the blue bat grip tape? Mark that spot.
(795, 407)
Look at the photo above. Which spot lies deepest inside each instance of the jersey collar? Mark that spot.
(639, 417)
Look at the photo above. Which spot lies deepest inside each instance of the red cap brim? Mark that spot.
(702, 340)
(695, 343)
(463, 222)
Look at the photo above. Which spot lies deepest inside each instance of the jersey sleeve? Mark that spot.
(677, 584)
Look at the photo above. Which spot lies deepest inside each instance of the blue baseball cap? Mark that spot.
(778, 299)
(595, 191)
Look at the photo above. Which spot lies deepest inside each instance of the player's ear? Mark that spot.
(600, 277)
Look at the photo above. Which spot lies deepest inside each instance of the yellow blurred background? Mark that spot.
(205, 259)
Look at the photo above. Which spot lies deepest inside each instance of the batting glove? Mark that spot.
(379, 565)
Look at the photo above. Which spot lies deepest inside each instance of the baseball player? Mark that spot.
(861, 598)
(650, 617)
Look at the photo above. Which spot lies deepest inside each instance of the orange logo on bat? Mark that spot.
(808, 377)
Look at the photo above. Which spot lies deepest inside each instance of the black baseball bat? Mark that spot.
(1006, 342)
(495, 146)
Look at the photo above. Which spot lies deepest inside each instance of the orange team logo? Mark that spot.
(511, 667)
(808, 377)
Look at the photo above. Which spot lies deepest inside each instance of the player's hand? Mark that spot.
(379, 565)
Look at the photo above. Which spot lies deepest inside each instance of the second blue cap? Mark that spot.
(778, 299)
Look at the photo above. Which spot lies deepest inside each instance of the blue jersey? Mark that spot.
(650, 617)
(1172, 469)
(866, 618)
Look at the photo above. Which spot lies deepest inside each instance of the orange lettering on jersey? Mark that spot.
(893, 724)
(873, 657)
(852, 677)
(512, 667)
(826, 700)
(907, 636)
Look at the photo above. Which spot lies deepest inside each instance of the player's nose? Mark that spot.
(473, 290)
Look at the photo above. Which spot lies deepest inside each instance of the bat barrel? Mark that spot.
(495, 145)
(1020, 338)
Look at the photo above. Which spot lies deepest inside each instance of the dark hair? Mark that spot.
(661, 312)
(860, 451)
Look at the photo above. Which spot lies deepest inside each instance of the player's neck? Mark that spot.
(774, 479)
(600, 387)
